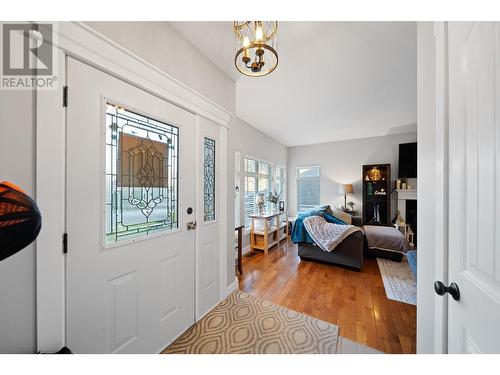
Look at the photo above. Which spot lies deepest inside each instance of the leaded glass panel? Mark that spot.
(209, 179)
(141, 175)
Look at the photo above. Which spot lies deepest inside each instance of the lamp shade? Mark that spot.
(345, 189)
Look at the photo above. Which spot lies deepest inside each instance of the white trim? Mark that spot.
(231, 288)
(85, 44)
(245, 250)
(223, 211)
(441, 176)
(50, 196)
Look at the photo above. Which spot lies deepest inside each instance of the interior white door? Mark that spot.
(130, 179)
(474, 186)
(208, 232)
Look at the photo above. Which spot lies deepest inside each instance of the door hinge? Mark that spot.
(65, 96)
(65, 243)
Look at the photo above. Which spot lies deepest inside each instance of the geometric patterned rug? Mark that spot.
(398, 281)
(245, 324)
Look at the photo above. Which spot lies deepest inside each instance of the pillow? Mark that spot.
(341, 215)
(333, 219)
(326, 208)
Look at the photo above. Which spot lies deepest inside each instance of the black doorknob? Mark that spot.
(442, 289)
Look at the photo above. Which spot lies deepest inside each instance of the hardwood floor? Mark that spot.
(355, 301)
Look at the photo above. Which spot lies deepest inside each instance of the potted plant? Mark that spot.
(274, 198)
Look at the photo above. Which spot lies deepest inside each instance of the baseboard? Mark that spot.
(245, 250)
(231, 288)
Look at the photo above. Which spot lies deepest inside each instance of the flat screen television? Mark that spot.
(407, 160)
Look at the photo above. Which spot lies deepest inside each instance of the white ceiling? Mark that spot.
(335, 80)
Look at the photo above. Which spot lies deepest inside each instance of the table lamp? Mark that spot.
(345, 189)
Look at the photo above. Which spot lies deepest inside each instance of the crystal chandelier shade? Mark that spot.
(256, 47)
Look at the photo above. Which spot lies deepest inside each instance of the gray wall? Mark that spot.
(17, 273)
(341, 163)
(159, 44)
(250, 141)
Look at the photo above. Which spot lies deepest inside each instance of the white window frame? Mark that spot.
(256, 175)
(238, 183)
(283, 180)
(298, 179)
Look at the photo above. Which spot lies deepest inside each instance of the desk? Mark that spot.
(268, 230)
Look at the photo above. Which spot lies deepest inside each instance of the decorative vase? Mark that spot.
(369, 188)
(259, 201)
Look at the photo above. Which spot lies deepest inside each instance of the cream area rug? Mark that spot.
(245, 324)
(398, 280)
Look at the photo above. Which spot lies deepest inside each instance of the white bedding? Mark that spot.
(327, 235)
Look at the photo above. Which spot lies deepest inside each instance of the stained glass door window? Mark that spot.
(141, 175)
(209, 179)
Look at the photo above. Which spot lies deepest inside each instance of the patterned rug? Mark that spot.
(245, 324)
(398, 280)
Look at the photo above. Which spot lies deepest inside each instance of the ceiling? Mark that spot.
(334, 81)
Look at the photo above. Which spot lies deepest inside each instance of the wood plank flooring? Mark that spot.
(355, 301)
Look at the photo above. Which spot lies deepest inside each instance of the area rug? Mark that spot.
(346, 346)
(245, 324)
(398, 280)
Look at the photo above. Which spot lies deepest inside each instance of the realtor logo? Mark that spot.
(28, 56)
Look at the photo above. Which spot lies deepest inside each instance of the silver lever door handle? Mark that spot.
(191, 225)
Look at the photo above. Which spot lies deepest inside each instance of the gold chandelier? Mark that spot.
(256, 45)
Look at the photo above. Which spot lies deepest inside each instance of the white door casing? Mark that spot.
(79, 40)
(208, 230)
(474, 186)
(135, 296)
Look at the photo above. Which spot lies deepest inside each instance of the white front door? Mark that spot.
(474, 186)
(130, 179)
(208, 217)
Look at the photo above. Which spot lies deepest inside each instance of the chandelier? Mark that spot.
(256, 44)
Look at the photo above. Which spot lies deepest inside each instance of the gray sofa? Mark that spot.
(348, 253)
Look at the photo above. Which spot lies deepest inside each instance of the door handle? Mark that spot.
(191, 225)
(442, 289)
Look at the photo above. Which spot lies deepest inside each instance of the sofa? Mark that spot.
(348, 253)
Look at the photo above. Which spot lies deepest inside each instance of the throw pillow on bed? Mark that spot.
(341, 215)
(326, 209)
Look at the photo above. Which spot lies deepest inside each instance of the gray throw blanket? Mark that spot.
(327, 235)
(386, 238)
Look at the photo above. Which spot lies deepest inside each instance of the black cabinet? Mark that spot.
(376, 194)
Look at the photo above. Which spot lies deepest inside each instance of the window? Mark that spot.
(257, 181)
(280, 182)
(308, 188)
(209, 180)
(141, 175)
